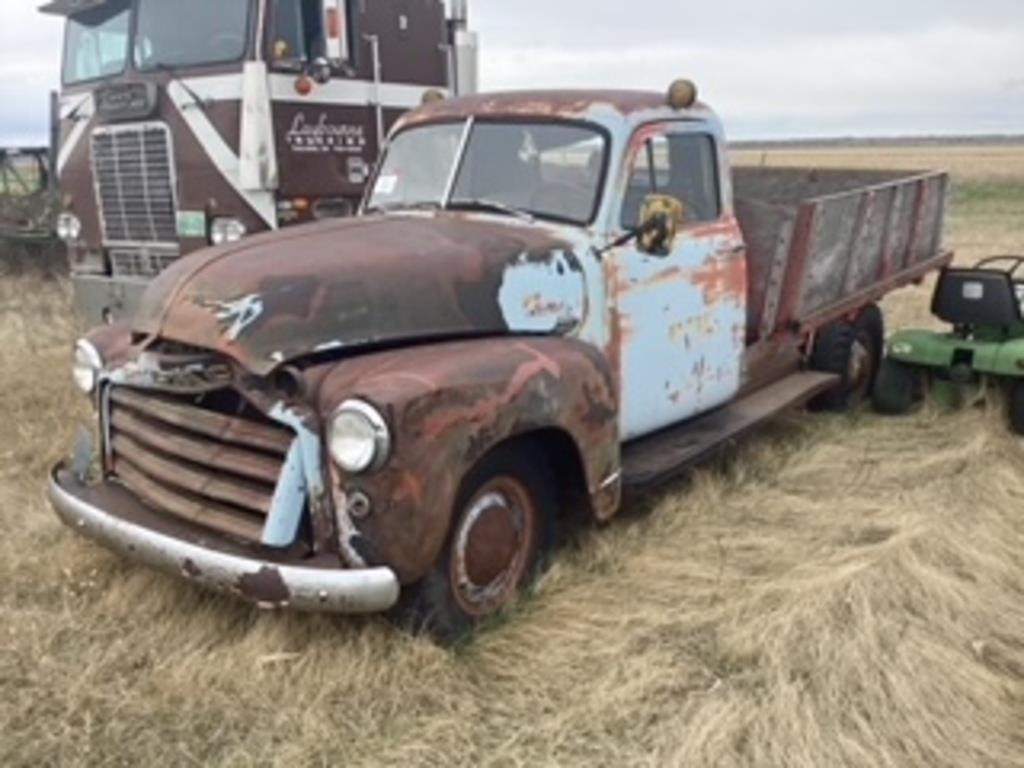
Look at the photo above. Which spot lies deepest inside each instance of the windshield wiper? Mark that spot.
(493, 206)
(159, 66)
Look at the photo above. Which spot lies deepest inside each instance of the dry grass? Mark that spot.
(843, 592)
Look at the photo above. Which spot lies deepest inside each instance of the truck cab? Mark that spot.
(192, 123)
(548, 299)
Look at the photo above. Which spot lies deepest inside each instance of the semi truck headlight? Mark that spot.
(359, 438)
(226, 231)
(87, 366)
(69, 227)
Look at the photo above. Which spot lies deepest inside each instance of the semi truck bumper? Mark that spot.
(107, 514)
(100, 300)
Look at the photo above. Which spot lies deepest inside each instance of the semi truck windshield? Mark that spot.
(96, 43)
(190, 32)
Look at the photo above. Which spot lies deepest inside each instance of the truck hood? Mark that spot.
(332, 286)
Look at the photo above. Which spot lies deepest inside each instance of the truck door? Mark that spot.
(680, 317)
(324, 132)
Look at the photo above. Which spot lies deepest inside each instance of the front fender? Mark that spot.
(925, 348)
(450, 404)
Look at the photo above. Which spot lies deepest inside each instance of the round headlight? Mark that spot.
(69, 227)
(226, 231)
(87, 366)
(359, 438)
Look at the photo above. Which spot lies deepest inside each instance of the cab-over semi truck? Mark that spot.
(190, 123)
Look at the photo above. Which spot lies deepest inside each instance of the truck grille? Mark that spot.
(195, 463)
(141, 263)
(134, 170)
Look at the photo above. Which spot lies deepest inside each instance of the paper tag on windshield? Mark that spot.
(386, 185)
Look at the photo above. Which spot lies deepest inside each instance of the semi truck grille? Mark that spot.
(209, 468)
(134, 170)
(141, 263)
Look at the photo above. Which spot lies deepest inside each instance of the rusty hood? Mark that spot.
(337, 285)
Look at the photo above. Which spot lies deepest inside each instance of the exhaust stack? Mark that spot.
(464, 47)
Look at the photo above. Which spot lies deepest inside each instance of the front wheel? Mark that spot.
(502, 526)
(897, 388)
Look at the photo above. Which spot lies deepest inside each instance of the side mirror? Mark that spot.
(661, 217)
(320, 70)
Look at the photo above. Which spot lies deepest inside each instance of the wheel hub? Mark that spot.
(491, 548)
(859, 370)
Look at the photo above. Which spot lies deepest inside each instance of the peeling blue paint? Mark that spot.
(543, 295)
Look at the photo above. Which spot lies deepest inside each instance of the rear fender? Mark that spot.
(450, 404)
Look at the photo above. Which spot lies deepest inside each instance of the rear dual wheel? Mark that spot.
(852, 350)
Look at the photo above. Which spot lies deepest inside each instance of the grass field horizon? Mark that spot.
(840, 591)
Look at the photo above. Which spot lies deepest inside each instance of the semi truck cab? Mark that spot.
(193, 123)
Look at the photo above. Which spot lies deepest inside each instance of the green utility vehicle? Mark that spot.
(985, 306)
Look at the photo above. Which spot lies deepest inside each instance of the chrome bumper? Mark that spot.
(267, 584)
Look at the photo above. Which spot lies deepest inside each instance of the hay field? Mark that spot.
(845, 591)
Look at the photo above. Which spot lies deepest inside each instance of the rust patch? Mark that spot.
(449, 405)
(560, 103)
(266, 587)
(722, 279)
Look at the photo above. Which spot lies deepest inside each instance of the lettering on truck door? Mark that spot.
(681, 316)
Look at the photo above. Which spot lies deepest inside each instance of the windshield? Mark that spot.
(548, 170)
(190, 32)
(96, 43)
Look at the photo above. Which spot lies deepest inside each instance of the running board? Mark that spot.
(651, 461)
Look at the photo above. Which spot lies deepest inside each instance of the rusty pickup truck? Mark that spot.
(549, 299)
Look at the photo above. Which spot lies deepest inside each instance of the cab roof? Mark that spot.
(631, 106)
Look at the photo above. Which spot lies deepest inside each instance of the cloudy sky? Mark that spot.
(773, 69)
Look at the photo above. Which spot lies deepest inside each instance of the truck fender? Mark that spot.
(448, 405)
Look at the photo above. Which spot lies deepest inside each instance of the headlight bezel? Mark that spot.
(377, 436)
(69, 228)
(87, 365)
(227, 229)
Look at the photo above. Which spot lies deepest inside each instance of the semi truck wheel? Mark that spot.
(1017, 407)
(852, 350)
(503, 525)
(897, 388)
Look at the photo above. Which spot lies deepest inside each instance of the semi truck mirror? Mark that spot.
(661, 217)
(320, 70)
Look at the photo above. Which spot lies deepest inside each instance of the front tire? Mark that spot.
(503, 525)
(897, 388)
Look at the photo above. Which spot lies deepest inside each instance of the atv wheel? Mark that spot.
(503, 524)
(896, 388)
(852, 351)
(1017, 407)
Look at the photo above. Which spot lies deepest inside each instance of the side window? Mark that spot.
(298, 34)
(683, 165)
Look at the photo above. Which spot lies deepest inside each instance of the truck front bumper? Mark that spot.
(262, 582)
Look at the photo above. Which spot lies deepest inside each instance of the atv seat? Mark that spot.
(968, 298)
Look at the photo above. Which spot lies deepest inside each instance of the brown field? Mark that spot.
(843, 591)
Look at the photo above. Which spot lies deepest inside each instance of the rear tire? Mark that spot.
(1017, 407)
(503, 526)
(852, 351)
(896, 389)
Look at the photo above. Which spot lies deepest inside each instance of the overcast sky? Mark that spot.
(773, 69)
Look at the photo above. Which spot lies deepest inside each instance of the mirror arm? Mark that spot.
(624, 239)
